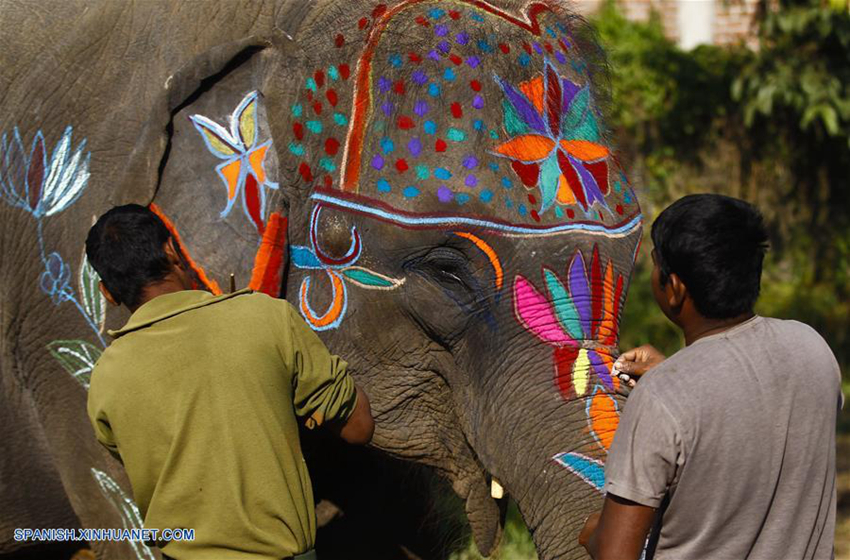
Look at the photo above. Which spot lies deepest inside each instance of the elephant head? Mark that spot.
(430, 185)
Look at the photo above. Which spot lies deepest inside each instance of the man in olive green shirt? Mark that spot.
(200, 398)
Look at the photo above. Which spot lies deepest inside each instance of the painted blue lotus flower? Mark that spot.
(55, 280)
(39, 185)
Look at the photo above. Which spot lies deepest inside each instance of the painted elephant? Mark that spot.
(429, 183)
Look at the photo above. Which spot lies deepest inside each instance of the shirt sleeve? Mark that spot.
(99, 420)
(323, 389)
(646, 453)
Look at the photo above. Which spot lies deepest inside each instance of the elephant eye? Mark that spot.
(446, 267)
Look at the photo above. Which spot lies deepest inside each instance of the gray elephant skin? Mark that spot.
(429, 183)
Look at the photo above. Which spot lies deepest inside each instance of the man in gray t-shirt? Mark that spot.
(725, 450)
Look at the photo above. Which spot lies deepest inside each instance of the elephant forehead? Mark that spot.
(462, 108)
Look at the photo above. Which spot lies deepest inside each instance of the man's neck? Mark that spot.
(701, 327)
(167, 285)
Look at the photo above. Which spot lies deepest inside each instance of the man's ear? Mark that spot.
(675, 291)
(173, 254)
(107, 294)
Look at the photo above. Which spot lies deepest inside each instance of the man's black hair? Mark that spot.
(126, 248)
(716, 245)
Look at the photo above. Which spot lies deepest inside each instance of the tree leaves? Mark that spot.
(77, 357)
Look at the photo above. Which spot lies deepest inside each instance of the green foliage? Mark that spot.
(516, 542)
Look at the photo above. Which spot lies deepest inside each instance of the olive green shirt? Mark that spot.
(199, 396)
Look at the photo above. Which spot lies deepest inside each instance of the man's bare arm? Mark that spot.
(359, 427)
(619, 532)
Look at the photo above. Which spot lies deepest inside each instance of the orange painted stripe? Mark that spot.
(268, 263)
(491, 254)
(336, 307)
(604, 418)
(208, 283)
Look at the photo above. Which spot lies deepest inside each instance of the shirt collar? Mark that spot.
(169, 305)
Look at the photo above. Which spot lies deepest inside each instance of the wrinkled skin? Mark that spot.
(458, 349)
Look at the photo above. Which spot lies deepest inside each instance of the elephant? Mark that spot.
(429, 183)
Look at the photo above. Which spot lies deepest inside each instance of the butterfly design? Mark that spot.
(242, 170)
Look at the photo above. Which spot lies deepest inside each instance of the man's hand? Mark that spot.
(637, 361)
(619, 531)
(359, 427)
(589, 528)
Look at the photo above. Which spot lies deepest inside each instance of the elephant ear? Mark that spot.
(211, 155)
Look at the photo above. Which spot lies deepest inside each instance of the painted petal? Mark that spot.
(550, 177)
(611, 339)
(596, 293)
(580, 291)
(599, 170)
(231, 174)
(591, 189)
(565, 357)
(569, 90)
(604, 416)
(584, 150)
(602, 373)
(245, 116)
(256, 158)
(576, 113)
(217, 139)
(607, 327)
(526, 110)
(562, 302)
(15, 164)
(581, 373)
(572, 179)
(589, 470)
(253, 203)
(527, 148)
(533, 90)
(565, 193)
(553, 100)
(36, 171)
(365, 278)
(535, 313)
(514, 125)
(72, 178)
(336, 310)
(304, 257)
(528, 173)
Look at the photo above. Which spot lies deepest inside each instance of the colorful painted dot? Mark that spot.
(297, 110)
(561, 27)
(504, 48)
(454, 14)
(398, 87)
(378, 162)
(414, 146)
(331, 146)
(462, 198)
(434, 89)
(384, 84)
(296, 149)
(441, 30)
(422, 172)
(387, 145)
(444, 194)
(477, 102)
(333, 73)
(457, 110)
(473, 61)
(444, 47)
(618, 186)
(493, 166)
(442, 173)
(456, 60)
(494, 134)
(558, 212)
(619, 209)
(430, 127)
(405, 122)
(476, 17)
(449, 75)
(509, 203)
(395, 60)
(570, 213)
(383, 186)
(440, 145)
(340, 119)
(627, 199)
(486, 196)
(436, 13)
(410, 192)
(419, 77)
(462, 38)
(484, 46)
(523, 60)
(559, 56)
(522, 210)
(478, 124)
(434, 55)
(339, 41)
(314, 126)
(537, 48)
(387, 107)
(420, 108)
(401, 165)
(550, 32)
(507, 183)
(471, 181)
(311, 84)
(327, 164)
(470, 161)
(456, 135)
(380, 126)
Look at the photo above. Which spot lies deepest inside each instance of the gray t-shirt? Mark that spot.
(733, 440)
